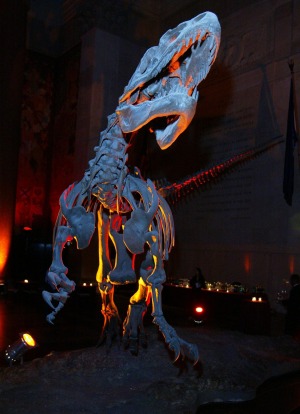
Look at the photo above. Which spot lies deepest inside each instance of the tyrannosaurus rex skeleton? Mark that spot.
(162, 96)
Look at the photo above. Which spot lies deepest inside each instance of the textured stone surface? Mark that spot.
(91, 380)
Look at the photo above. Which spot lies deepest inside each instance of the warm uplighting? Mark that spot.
(4, 249)
(16, 351)
(291, 264)
(247, 263)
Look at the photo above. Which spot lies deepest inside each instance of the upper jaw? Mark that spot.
(172, 44)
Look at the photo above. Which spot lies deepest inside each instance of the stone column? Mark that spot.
(107, 63)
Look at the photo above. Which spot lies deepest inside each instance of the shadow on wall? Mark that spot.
(188, 155)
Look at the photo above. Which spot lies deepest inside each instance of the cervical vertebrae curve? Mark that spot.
(162, 96)
(106, 176)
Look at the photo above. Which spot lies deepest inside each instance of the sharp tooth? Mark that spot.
(134, 97)
(152, 89)
(213, 50)
(195, 94)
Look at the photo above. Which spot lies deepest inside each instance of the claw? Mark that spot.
(175, 343)
(67, 284)
(47, 296)
(50, 318)
(62, 280)
(53, 279)
(194, 354)
(61, 296)
(174, 346)
(191, 350)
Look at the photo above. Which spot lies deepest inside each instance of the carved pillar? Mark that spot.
(107, 63)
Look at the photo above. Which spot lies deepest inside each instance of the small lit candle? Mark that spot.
(254, 299)
(259, 299)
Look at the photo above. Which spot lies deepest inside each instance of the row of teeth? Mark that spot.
(192, 40)
(177, 88)
(159, 91)
(155, 91)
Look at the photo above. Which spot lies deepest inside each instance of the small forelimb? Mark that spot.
(63, 287)
(61, 297)
(64, 235)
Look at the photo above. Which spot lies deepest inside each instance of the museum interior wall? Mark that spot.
(237, 228)
(242, 228)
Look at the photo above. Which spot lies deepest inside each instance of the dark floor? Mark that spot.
(78, 326)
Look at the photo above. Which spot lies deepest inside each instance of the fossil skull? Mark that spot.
(162, 92)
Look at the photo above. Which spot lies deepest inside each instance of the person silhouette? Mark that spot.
(292, 304)
(198, 280)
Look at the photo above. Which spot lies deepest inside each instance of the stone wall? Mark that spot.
(241, 228)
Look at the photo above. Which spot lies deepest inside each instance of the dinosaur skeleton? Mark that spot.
(161, 95)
